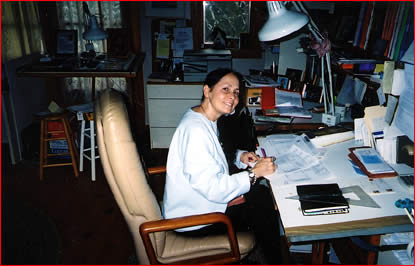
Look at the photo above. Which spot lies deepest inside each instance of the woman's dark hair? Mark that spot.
(214, 76)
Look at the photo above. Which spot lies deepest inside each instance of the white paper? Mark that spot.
(398, 83)
(359, 123)
(286, 98)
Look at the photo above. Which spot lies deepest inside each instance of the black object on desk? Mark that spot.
(322, 199)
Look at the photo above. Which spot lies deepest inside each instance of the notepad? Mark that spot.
(322, 199)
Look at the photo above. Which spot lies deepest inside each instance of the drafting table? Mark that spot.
(360, 221)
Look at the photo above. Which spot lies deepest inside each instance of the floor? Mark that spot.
(90, 226)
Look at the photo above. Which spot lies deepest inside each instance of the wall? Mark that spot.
(239, 64)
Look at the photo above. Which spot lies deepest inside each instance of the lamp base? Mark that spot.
(330, 120)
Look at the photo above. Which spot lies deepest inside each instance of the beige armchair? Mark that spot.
(157, 243)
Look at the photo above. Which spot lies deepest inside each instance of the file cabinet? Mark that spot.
(167, 103)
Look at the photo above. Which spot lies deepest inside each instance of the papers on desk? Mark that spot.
(297, 159)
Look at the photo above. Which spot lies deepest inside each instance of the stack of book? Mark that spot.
(321, 199)
(371, 162)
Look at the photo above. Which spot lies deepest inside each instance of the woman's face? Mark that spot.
(224, 96)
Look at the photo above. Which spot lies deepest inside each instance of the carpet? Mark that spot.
(28, 236)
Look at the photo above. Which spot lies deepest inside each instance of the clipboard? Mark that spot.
(356, 160)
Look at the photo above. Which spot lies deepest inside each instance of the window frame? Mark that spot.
(258, 16)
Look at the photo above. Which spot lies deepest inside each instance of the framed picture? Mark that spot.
(67, 42)
(283, 81)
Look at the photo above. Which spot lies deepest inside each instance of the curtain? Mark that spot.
(71, 16)
(20, 29)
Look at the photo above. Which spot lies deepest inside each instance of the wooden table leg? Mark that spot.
(372, 255)
(318, 252)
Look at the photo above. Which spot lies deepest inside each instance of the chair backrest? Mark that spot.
(123, 168)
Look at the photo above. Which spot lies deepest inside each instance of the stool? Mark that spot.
(90, 133)
(47, 135)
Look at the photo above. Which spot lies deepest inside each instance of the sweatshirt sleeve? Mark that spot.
(205, 169)
(238, 161)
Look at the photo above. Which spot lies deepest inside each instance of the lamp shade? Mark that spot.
(94, 32)
(281, 22)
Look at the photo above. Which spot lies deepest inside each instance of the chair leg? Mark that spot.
(42, 148)
(92, 137)
(81, 147)
(70, 141)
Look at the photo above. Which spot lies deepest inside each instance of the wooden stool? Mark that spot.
(90, 133)
(47, 135)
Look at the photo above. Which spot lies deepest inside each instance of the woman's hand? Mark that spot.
(264, 166)
(248, 157)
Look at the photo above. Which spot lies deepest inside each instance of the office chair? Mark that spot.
(155, 240)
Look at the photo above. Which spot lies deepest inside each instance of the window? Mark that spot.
(230, 16)
(71, 17)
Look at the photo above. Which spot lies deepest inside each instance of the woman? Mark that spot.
(198, 179)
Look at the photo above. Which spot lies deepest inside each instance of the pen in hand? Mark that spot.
(265, 155)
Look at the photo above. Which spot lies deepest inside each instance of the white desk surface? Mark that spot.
(315, 118)
(359, 221)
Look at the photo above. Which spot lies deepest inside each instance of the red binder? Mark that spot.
(363, 168)
(268, 98)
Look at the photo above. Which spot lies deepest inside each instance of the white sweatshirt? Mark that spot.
(197, 179)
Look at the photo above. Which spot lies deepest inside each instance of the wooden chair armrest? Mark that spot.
(156, 170)
(187, 221)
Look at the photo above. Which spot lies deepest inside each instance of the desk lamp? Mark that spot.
(93, 32)
(282, 22)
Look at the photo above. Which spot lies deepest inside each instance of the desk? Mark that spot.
(135, 89)
(361, 221)
(297, 123)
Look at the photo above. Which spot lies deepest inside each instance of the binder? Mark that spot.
(358, 162)
(319, 199)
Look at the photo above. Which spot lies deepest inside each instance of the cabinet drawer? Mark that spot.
(167, 113)
(161, 137)
(179, 91)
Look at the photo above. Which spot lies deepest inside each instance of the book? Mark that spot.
(371, 162)
(358, 32)
(401, 32)
(365, 24)
(318, 199)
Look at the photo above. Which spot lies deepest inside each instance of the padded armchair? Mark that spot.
(155, 240)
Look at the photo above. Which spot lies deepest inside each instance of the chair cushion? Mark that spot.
(186, 247)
